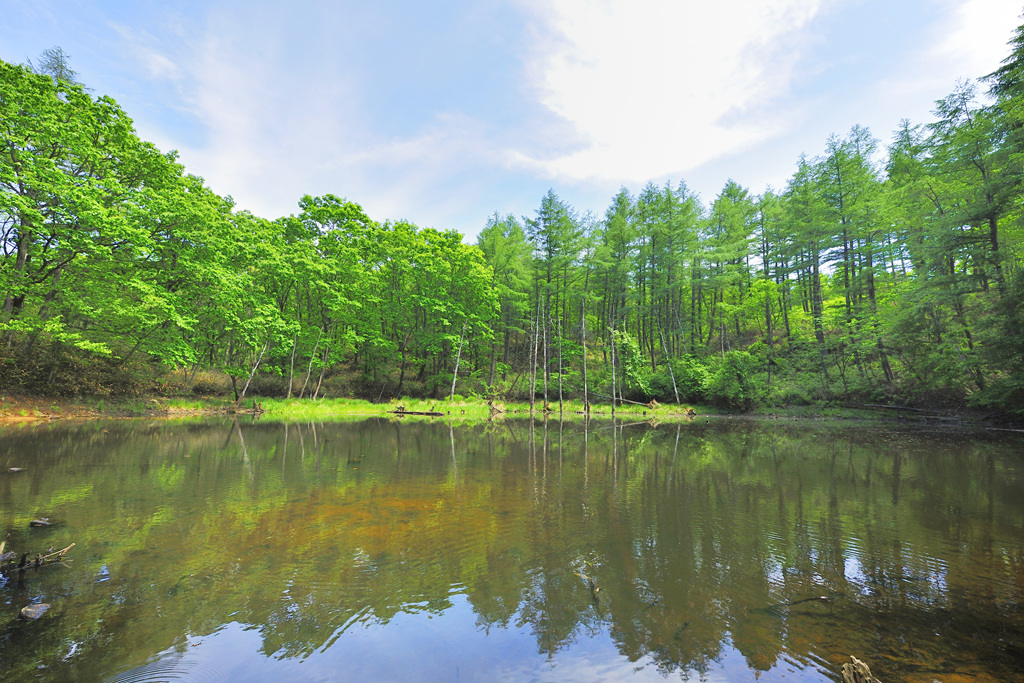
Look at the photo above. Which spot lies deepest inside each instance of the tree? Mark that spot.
(727, 251)
(965, 145)
(85, 208)
(505, 248)
(56, 63)
(556, 235)
(805, 214)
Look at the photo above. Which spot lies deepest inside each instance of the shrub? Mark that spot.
(55, 369)
(208, 383)
(266, 385)
(691, 379)
(732, 384)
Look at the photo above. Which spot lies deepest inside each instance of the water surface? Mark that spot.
(380, 550)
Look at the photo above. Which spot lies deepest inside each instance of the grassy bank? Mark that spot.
(43, 408)
(15, 409)
(458, 409)
(20, 408)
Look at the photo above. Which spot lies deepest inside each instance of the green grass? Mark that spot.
(305, 409)
(459, 409)
(195, 403)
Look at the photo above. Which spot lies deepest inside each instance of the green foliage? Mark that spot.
(56, 369)
(894, 280)
(691, 380)
(1005, 350)
(734, 381)
(634, 369)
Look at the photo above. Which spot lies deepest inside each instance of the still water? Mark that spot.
(381, 550)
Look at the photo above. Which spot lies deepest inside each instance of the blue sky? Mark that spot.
(444, 112)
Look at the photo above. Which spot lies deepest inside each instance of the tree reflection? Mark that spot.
(679, 541)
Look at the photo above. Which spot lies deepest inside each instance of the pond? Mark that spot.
(417, 551)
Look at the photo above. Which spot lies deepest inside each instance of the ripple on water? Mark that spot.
(173, 667)
(220, 656)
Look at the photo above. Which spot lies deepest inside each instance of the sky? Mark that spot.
(443, 112)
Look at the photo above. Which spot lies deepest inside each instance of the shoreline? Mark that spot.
(20, 410)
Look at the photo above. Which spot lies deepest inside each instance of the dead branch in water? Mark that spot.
(8, 564)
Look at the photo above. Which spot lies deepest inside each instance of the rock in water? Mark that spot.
(858, 672)
(33, 611)
(42, 521)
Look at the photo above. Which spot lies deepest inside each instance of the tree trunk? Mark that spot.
(613, 372)
(668, 362)
(458, 357)
(256, 365)
(291, 367)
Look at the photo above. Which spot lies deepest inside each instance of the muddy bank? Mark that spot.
(28, 409)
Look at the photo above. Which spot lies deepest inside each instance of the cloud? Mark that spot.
(973, 40)
(267, 128)
(647, 88)
(966, 39)
(274, 131)
(416, 177)
(140, 44)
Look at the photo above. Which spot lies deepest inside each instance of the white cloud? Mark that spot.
(141, 45)
(266, 129)
(273, 133)
(976, 35)
(407, 177)
(654, 87)
(967, 40)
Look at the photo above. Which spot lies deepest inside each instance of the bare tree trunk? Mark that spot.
(771, 335)
(323, 369)
(668, 362)
(559, 369)
(256, 365)
(613, 372)
(533, 373)
(458, 357)
(583, 326)
(547, 323)
(291, 367)
(309, 370)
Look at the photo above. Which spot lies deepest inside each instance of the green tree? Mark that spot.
(506, 249)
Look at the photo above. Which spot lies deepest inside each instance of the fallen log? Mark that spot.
(432, 413)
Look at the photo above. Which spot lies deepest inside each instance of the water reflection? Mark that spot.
(515, 550)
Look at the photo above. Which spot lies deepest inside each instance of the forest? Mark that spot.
(882, 274)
